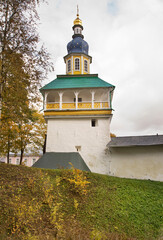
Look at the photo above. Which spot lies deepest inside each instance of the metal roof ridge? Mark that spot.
(77, 75)
(136, 136)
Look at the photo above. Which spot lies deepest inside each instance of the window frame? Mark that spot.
(85, 65)
(77, 64)
(69, 65)
(78, 148)
(94, 123)
(77, 30)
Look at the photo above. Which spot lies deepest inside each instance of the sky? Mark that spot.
(125, 40)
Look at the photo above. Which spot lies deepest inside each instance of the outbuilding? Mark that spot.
(138, 157)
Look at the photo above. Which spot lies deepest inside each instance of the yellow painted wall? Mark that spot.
(82, 58)
(71, 112)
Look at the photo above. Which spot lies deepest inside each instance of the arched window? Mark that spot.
(77, 64)
(85, 65)
(69, 65)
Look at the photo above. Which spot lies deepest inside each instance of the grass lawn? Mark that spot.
(70, 204)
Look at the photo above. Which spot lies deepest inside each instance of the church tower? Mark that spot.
(78, 107)
(77, 60)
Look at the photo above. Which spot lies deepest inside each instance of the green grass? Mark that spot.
(45, 204)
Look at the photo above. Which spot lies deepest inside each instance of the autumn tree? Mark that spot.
(112, 135)
(23, 65)
(30, 135)
(8, 131)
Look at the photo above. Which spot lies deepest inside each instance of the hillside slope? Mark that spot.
(69, 204)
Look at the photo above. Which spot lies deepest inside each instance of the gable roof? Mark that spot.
(76, 81)
(56, 160)
(149, 140)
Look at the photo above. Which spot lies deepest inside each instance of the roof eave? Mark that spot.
(75, 54)
(51, 89)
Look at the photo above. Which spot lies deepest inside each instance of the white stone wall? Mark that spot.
(64, 135)
(145, 162)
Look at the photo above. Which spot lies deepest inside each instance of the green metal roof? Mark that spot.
(76, 81)
(57, 160)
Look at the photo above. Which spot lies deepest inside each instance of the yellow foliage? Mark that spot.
(97, 235)
(76, 203)
(112, 135)
(78, 181)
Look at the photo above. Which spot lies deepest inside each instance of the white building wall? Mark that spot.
(145, 162)
(27, 160)
(64, 135)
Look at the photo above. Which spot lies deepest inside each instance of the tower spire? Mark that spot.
(77, 10)
(78, 21)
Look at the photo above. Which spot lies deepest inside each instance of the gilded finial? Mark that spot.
(78, 21)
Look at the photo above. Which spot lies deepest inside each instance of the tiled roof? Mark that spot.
(76, 81)
(149, 140)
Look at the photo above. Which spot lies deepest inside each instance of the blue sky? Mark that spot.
(125, 39)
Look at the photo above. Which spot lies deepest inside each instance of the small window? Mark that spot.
(78, 148)
(34, 160)
(77, 64)
(77, 30)
(69, 65)
(85, 65)
(79, 99)
(25, 161)
(10, 160)
(17, 161)
(94, 123)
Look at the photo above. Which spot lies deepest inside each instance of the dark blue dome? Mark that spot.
(77, 45)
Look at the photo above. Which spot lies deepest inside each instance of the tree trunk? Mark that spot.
(21, 156)
(8, 149)
(0, 101)
(44, 147)
(8, 157)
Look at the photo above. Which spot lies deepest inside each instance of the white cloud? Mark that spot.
(125, 39)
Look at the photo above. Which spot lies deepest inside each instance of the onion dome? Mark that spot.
(77, 45)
